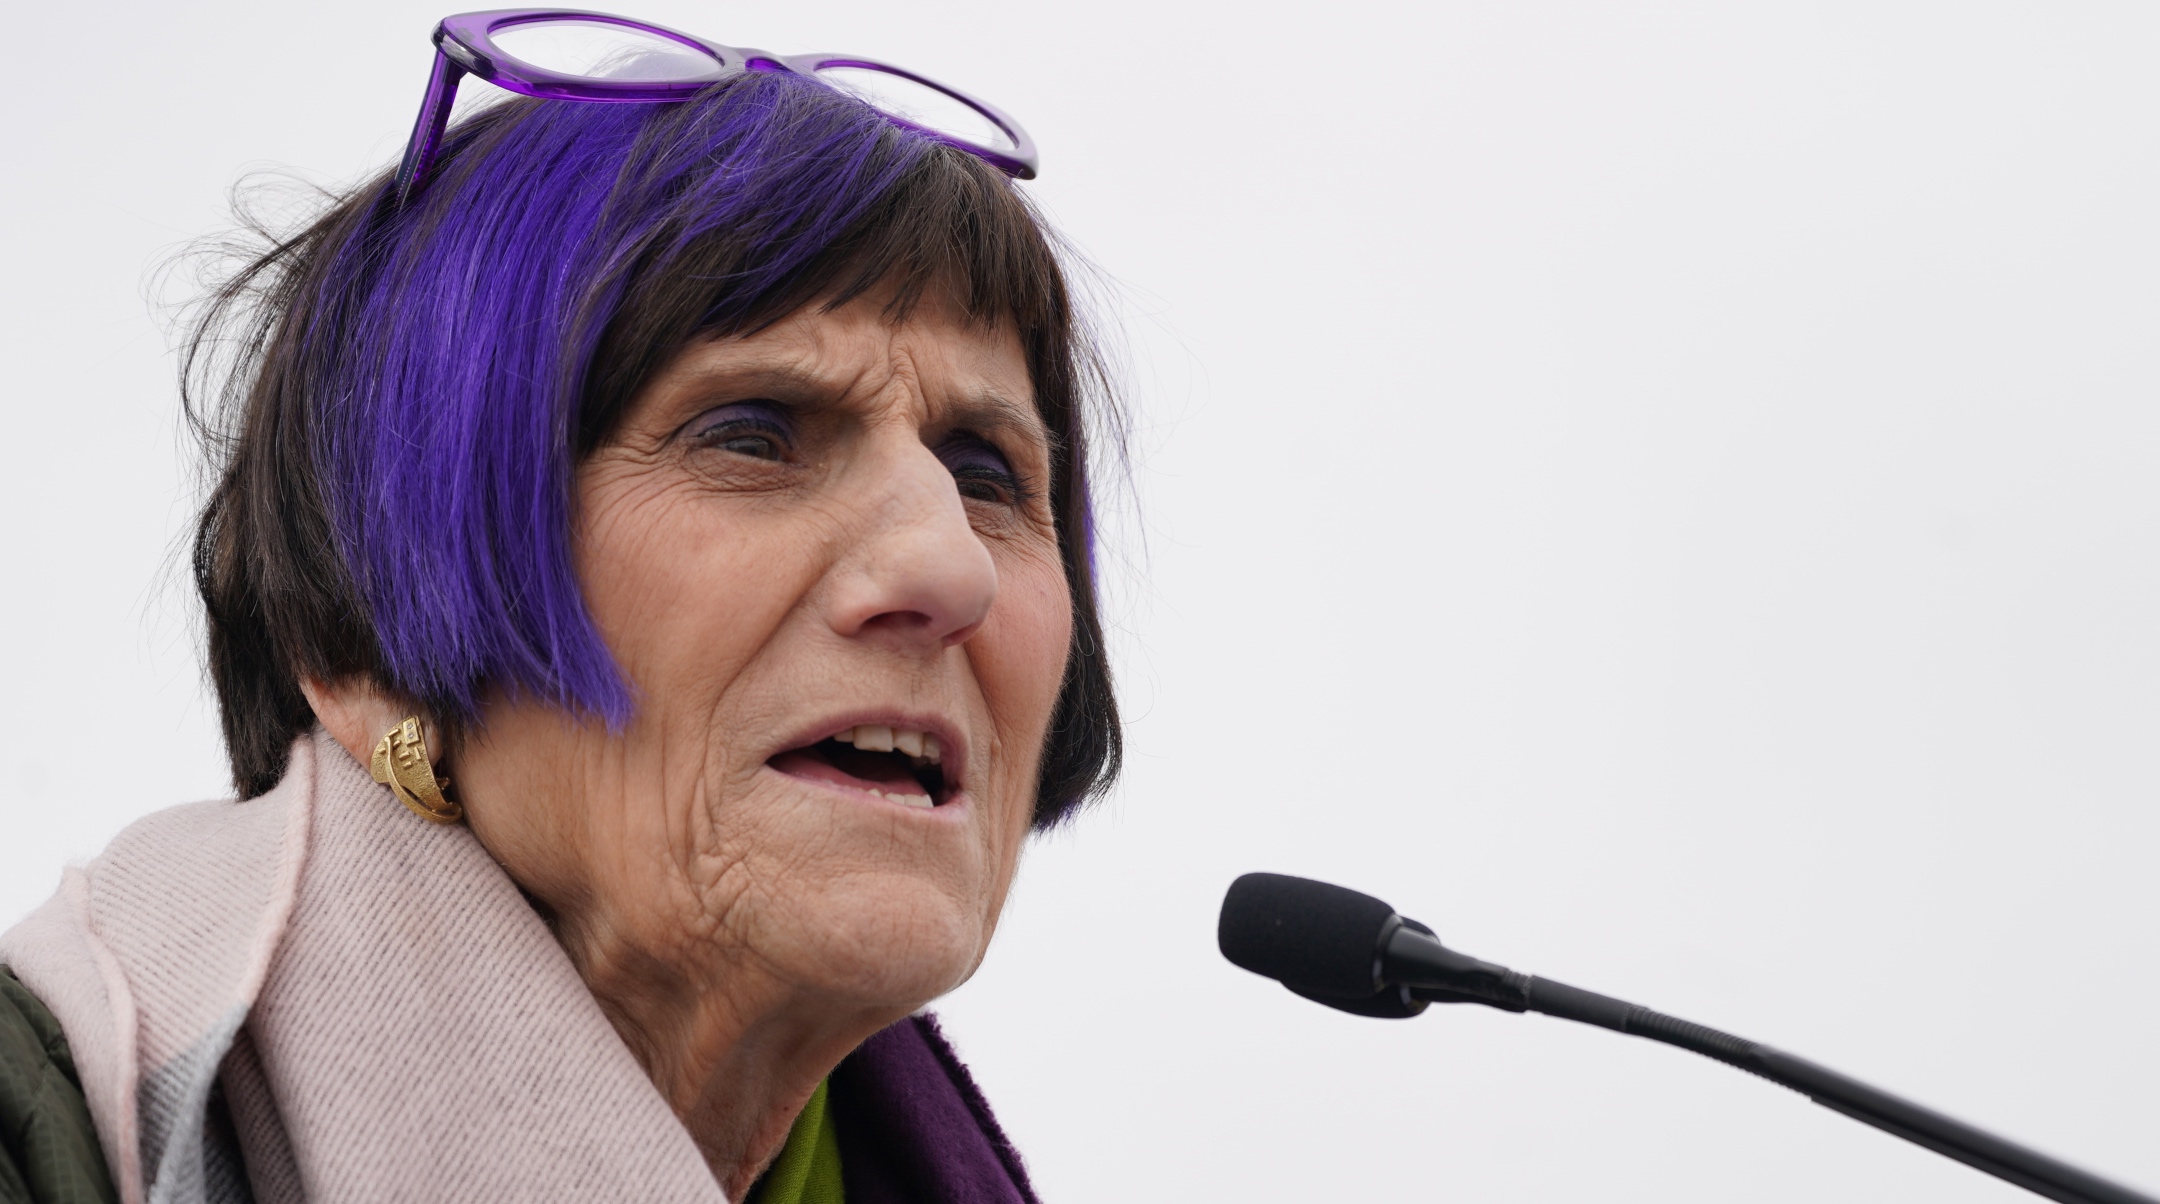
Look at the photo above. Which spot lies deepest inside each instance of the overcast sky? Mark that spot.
(1663, 493)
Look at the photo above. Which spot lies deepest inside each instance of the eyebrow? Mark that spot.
(785, 381)
(986, 411)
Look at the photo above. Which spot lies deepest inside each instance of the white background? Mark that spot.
(1663, 492)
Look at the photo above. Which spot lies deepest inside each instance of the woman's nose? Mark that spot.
(918, 576)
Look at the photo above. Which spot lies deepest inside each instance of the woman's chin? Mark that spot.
(890, 941)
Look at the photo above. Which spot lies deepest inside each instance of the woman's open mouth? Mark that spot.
(897, 764)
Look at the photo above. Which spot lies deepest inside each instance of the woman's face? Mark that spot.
(823, 557)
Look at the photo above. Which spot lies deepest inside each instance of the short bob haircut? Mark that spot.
(400, 399)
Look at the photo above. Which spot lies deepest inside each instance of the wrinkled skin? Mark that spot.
(838, 520)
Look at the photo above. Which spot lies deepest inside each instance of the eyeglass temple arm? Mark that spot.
(428, 129)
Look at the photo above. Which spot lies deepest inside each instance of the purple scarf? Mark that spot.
(914, 1129)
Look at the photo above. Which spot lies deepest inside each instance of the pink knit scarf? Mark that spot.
(381, 1014)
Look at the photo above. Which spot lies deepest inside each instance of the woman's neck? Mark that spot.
(736, 1058)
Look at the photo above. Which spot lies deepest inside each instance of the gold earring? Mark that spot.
(401, 762)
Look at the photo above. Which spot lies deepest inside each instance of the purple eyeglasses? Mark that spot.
(567, 54)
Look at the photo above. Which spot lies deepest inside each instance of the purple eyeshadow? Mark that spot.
(757, 415)
(971, 454)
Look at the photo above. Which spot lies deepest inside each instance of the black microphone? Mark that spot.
(1353, 952)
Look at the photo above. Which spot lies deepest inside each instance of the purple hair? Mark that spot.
(415, 388)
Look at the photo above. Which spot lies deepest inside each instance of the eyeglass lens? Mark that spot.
(598, 50)
(918, 105)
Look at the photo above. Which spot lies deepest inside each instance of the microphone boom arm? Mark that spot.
(1946, 1135)
(1356, 953)
(1432, 971)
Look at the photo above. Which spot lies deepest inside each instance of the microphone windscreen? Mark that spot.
(1311, 935)
(1388, 1003)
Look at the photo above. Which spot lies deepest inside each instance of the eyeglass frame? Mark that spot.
(463, 46)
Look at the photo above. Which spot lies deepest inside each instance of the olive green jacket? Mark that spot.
(48, 1149)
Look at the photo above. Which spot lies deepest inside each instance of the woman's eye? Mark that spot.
(980, 471)
(746, 429)
(761, 446)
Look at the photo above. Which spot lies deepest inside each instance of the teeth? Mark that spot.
(876, 737)
(871, 737)
(911, 800)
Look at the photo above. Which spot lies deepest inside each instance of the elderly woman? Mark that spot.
(649, 604)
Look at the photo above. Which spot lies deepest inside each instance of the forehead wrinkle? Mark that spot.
(800, 373)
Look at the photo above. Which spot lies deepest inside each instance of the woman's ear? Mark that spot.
(357, 714)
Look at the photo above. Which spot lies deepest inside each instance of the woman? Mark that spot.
(680, 509)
